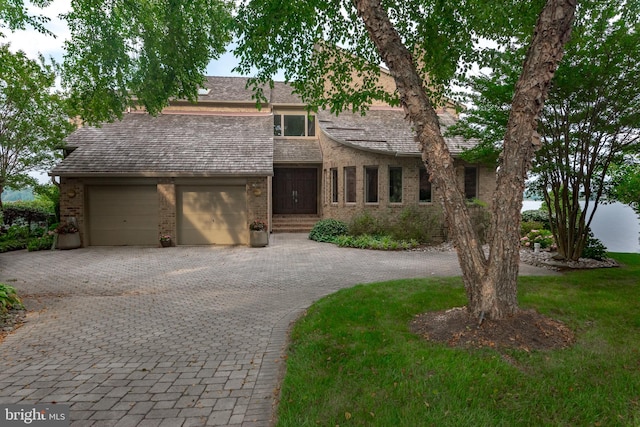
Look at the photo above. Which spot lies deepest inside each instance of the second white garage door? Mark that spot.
(212, 215)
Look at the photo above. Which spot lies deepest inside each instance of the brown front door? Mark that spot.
(295, 191)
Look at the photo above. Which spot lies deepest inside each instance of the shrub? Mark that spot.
(327, 230)
(14, 238)
(9, 298)
(420, 224)
(594, 249)
(367, 241)
(40, 243)
(366, 223)
(527, 226)
(544, 237)
(539, 215)
(27, 213)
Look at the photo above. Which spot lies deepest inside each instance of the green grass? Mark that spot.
(352, 360)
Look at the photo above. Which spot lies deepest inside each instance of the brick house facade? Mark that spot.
(201, 173)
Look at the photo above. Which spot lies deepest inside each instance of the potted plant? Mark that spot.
(258, 234)
(67, 235)
(165, 240)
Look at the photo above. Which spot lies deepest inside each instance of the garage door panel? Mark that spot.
(212, 215)
(123, 215)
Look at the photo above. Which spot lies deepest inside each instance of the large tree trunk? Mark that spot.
(490, 283)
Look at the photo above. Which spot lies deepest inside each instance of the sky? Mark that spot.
(31, 42)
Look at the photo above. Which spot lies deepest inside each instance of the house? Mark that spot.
(202, 172)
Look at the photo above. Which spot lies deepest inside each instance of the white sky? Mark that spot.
(32, 42)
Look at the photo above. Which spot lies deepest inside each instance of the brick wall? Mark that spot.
(72, 196)
(167, 224)
(258, 200)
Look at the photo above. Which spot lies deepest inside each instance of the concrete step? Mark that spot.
(293, 223)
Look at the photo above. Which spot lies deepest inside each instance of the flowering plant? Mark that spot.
(66, 228)
(258, 225)
(544, 237)
(165, 238)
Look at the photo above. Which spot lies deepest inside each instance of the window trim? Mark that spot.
(308, 120)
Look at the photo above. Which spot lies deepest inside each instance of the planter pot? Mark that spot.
(258, 239)
(165, 243)
(68, 241)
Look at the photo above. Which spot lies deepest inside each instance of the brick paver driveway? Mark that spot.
(179, 336)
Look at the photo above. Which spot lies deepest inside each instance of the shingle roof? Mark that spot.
(293, 150)
(173, 145)
(229, 89)
(384, 131)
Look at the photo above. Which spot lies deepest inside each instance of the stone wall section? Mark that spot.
(167, 224)
(72, 203)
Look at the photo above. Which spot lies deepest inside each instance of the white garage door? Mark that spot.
(212, 215)
(123, 215)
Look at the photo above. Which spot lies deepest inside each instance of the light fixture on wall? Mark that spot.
(71, 194)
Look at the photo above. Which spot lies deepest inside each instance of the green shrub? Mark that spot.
(366, 223)
(420, 224)
(27, 213)
(9, 298)
(594, 249)
(40, 243)
(544, 237)
(326, 230)
(527, 226)
(367, 241)
(539, 215)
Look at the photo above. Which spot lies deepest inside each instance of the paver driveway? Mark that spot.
(183, 336)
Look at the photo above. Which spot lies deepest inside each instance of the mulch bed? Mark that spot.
(526, 330)
(10, 321)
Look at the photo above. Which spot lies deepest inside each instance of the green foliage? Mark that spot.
(625, 184)
(539, 215)
(527, 226)
(367, 241)
(42, 243)
(544, 237)
(14, 15)
(326, 230)
(34, 120)
(149, 51)
(352, 353)
(19, 237)
(9, 298)
(594, 248)
(366, 223)
(27, 212)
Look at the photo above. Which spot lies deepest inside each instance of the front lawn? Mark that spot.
(352, 360)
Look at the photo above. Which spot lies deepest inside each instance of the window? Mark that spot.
(294, 125)
(395, 185)
(425, 186)
(471, 182)
(334, 185)
(371, 184)
(350, 185)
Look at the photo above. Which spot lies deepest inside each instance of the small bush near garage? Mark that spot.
(327, 230)
(9, 299)
(367, 241)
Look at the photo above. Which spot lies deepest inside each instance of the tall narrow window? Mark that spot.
(395, 185)
(425, 186)
(311, 126)
(277, 125)
(371, 184)
(471, 182)
(334, 185)
(350, 185)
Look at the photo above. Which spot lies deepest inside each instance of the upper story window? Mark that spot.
(294, 125)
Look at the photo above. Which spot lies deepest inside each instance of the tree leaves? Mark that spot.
(124, 53)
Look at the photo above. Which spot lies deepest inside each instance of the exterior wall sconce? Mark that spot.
(71, 194)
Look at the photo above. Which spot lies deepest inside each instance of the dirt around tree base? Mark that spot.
(526, 330)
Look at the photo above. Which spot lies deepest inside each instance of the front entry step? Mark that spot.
(293, 223)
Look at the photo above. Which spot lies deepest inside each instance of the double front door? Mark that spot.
(295, 191)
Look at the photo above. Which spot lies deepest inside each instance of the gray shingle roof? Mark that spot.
(292, 150)
(173, 145)
(229, 89)
(384, 131)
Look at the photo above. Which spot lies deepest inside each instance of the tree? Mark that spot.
(149, 51)
(33, 121)
(156, 50)
(590, 121)
(625, 184)
(15, 16)
(420, 40)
